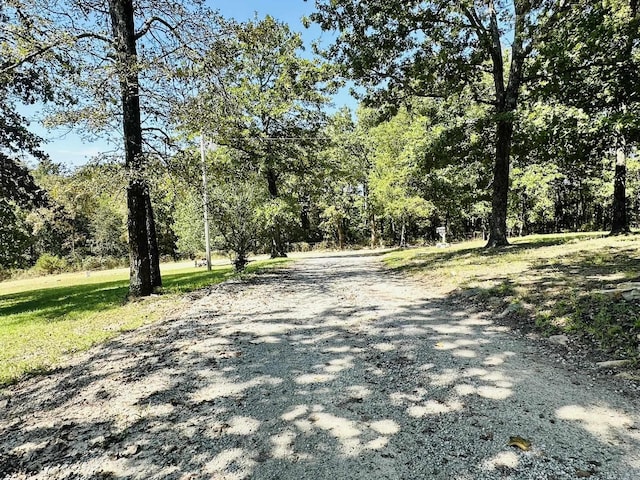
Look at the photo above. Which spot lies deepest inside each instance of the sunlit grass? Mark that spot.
(43, 319)
(552, 281)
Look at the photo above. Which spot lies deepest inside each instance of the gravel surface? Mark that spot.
(331, 369)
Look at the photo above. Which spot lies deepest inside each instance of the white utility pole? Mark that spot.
(205, 202)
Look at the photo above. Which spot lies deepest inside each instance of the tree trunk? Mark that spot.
(620, 222)
(154, 252)
(403, 231)
(341, 235)
(374, 231)
(498, 223)
(506, 104)
(277, 245)
(122, 24)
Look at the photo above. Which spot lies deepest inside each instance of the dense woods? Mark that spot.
(493, 119)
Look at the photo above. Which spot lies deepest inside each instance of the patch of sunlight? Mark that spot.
(344, 349)
(314, 378)
(243, 426)
(231, 464)
(339, 427)
(465, 389)
(266, 339)
(377, 443)
(398, 398)
(599, 421)
(464, 353)
(497, 359)
(475, 372)
(339, 364)
(384, 347)
(502, 459)
(452, 345)
(315, 339)
(447, 377)
(295, 412)
(358, 391)
(475, 322)
(494, 393)
(385, 427)
(432, 407)
(283, 444)
(447, 329)
(303, 425)
(226, 388)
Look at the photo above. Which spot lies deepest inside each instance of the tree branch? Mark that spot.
(45, 48)
(149, 23)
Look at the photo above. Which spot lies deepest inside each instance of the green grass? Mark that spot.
(551, 282)
(43, 319)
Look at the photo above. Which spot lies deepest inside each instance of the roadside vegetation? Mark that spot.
(556, 284)
(44, 319)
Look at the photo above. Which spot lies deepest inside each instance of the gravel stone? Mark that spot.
(333, 368)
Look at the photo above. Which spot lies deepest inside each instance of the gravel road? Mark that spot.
(333, 368)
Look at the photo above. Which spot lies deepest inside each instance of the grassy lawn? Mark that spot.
(551, 282)
(43, 319)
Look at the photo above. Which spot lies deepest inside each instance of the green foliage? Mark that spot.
(15, 236)
(189, 224)
(49, 264)
(237, 210)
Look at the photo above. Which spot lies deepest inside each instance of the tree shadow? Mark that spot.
(266, 379)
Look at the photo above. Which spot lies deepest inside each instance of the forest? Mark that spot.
(493, 119)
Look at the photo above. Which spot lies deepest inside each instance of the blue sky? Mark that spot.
(65, 147)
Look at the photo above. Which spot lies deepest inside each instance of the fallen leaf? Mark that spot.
(519, 442)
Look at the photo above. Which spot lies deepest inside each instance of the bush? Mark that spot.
(49, 264)
(103, 263)
(300, 247)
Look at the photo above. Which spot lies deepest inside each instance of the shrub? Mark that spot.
(103, 263)
(49, 264)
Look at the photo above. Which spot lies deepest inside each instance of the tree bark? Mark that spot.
(374, 231)
(498, 222)
(620, 221)
(506, 104)
(277, 244)
(341, 235)
(122, 24)
(154, 252)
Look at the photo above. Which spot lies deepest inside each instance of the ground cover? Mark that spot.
(43, 319)
(556, 284)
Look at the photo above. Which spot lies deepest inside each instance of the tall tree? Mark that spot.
(143, 252)
(591, 62)
(265, 101)
(398, 49)
(99, 46)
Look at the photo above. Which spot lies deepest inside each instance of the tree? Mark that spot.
(266, 102)
(399, 49)
(19, 193)
(111, 52)
(393, 175)
(594, 67)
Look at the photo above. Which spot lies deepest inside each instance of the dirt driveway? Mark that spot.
(330, 369)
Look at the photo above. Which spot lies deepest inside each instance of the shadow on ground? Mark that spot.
(334, 369)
